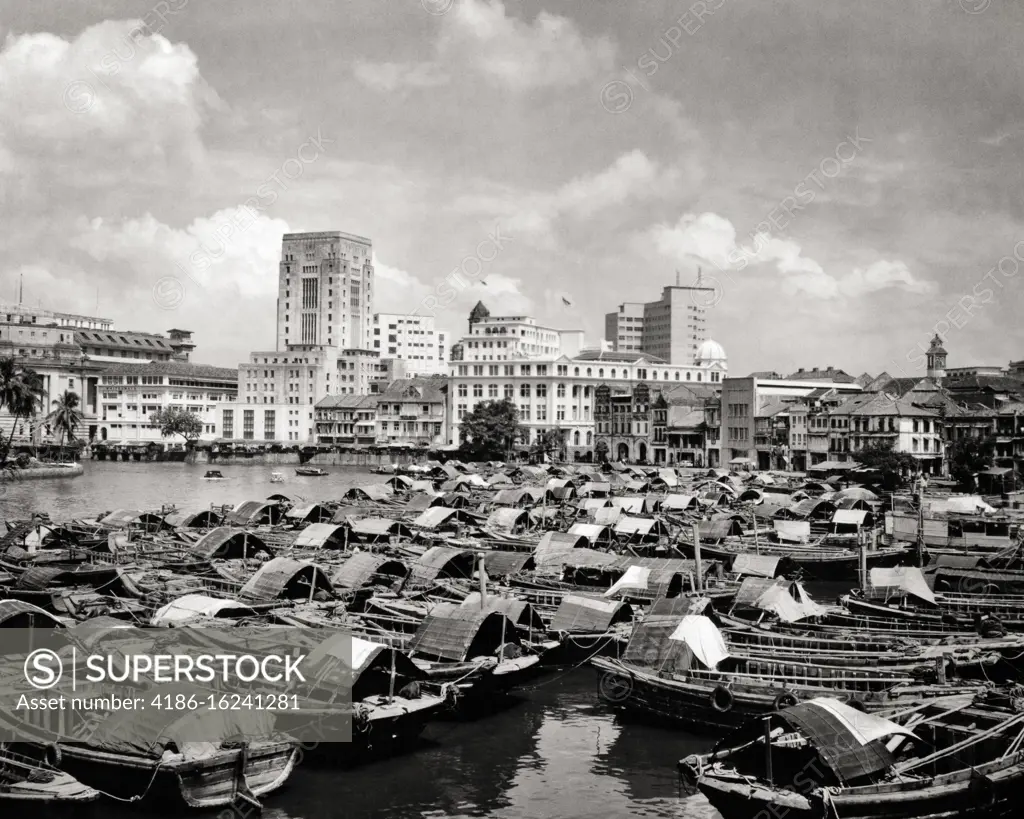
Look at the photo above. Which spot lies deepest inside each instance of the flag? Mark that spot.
(566, 302)
(483, 282)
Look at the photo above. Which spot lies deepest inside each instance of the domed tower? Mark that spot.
(710, 352)
(476, 314)
(936, 358)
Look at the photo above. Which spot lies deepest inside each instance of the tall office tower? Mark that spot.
(325, 291)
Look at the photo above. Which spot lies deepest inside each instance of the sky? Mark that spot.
(845, 176)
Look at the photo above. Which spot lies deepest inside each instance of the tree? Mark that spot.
(65, 416)
(968, 456)
(176, 421)
(891, 465)
(553, 443)
(601, 451)
(21, 392)
(489, 431)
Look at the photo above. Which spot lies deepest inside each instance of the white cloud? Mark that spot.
(392, 76)
(232, 251)
(711, 239)
(479, 36)
(520, 56)
(105, 100)
(631, 177)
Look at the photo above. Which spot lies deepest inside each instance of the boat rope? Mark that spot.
(828, 802)
(139, 796)
(954, 750)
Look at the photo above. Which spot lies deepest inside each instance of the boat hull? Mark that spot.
(209, 782)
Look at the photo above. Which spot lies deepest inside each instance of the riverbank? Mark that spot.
(42, 472)
(343, 458)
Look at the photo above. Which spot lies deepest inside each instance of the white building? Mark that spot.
(557, 391)
(325, 290)
(672, 328)
(325, 295)
(509, 338)
(129, 393)
(412, 339)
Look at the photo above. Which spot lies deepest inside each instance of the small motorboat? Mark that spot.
(311, 471)
(213, 475)
(276, 477)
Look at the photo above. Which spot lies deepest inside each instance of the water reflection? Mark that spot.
(108, 485)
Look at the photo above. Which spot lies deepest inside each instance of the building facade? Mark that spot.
(559, 392)
(325, 291)
(673, 328)
(512, 338)
(323, 345)
(412, 412)
(130, 393)
(347, 420)
(413, 340)
(744, 399)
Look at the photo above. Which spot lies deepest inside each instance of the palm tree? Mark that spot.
(65, 416)
(21, 392)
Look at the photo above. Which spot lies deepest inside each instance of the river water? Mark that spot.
(556, 754)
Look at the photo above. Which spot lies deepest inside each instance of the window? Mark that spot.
(228, 423)
(542, 390)
(478, 390)
(509, 392)
(524, 390)
(269, 425)
(492, 390)
(463, 391)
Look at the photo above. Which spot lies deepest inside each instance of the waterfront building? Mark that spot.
(744, 398)
(131, 392)
(558, 392)
(412, 412)
(673, 328)
(325, 297)
(663, 423)
(349, 420)
(365, 372)
(413, 340)
(70, 351)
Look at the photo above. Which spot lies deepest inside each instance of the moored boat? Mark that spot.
(950, 757)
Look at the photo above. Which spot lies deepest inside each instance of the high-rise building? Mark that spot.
(672, 328)
(324, 304)
(325, 289)
(412, 339)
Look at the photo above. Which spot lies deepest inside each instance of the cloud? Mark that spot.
(393, 76)
(711, 239)
(100, 102)
(234, 251)
(631, 177)
(479, 37)
(399, 291)
(520, 56)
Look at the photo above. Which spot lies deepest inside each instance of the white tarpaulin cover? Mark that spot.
(779, 601)
(703, 638)
(906, 578)
(863, 727)
(960, 503)
(793, 531)
(192, 606)
(636, 577)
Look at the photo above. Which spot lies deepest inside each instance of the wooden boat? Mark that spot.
(27, 783)
(311, 471)
(947, 758)
(213, 475)
(155, 757)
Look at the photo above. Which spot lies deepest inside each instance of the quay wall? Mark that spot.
(290, 458)
(42, 473)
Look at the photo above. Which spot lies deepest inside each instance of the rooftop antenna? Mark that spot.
(699, 277)
(677, 277)
(21, 288)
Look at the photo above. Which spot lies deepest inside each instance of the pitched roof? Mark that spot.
(182, 369)
(837, 376)
(348, 402)
(418, 389)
